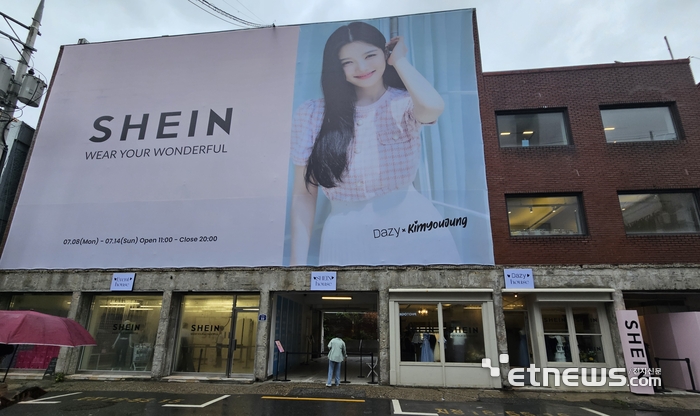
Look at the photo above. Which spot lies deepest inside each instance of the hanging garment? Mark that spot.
(522, 351)
(426, 353)
(437, 349)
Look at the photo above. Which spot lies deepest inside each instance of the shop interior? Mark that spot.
(306, 321)
(670, 324)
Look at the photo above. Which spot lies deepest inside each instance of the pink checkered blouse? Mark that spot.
(384, 154)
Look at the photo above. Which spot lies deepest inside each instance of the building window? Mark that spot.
(125, 329)
(563, 324)
(545, 215)
(36, 356)
(462, 332)
(645, 124)
(532, 129)
(660, 213)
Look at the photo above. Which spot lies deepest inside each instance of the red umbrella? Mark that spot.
(35, 328)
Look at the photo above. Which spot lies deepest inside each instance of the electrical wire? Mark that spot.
(11, 28)
(218, 17)
(234, 8)
(45, 79)
(228, 15)
(13, 31)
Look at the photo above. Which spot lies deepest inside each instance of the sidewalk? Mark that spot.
(666, 401)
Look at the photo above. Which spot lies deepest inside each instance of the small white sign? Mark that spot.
(323, 281)
(519, 278)
(122, 282)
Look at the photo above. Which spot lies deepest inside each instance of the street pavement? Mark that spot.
(83, 398)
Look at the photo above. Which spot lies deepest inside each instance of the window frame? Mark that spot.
(533, 111)
(605, 334)
(694, 193)
(672, 110)
(581, 220)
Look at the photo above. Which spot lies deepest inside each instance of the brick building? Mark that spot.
(593, 171)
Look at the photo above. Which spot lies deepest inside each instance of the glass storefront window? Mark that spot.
(36, 356)
(125, 329)
(420, 331)
(590, 345)
(556, 334)
(57, 305)
(462, 335)
(565, 324)
(465, 333)
(248, 301)
(205, 337)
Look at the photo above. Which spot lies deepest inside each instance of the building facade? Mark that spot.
(592, 175)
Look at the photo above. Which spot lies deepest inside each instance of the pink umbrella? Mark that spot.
(34, 328)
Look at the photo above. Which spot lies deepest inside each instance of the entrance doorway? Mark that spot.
(670, 325)
(520, 354)
(217, 334)
(306, 321)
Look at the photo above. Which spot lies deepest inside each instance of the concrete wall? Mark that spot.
(173, 284)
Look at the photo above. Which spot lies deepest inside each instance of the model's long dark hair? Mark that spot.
(329, 156)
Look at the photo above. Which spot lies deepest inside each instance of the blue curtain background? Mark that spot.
(452, 172)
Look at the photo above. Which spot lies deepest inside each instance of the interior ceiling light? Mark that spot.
(609, 128)
(336, 297)
(505, 133)
(528, 132)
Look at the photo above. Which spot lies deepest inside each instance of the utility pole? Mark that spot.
(15, 91)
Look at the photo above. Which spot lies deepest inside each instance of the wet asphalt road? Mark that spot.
(135, 403)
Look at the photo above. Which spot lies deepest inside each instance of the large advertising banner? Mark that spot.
(346, 143)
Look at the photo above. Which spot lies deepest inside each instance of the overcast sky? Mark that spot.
(514, 34)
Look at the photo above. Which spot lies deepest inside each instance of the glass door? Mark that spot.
(217, 334)
(205, 327)
(241, 359)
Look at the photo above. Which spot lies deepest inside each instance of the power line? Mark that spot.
(244, 6)
(228, 15)
(218, 17)
(13, 31)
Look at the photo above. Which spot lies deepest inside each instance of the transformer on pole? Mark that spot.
(23, 85)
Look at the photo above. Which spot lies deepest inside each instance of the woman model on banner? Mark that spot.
(361, 145)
